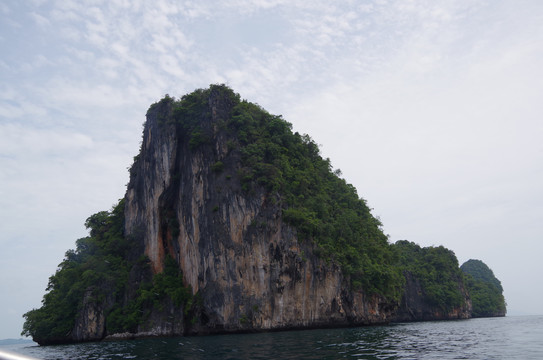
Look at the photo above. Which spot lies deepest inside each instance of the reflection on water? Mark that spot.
(494, 338)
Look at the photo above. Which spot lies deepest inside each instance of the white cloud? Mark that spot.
(4, 9)
(40, 20)
(23, 141)
(14, 106)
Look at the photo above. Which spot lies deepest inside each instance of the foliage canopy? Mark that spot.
(99, 268)
(98, 265)
(324, 208)
(437, 270)
(485, 289)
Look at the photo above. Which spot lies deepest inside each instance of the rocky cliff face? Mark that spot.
(204, 242)
(234, 249)
(91, 322)
(414, 307)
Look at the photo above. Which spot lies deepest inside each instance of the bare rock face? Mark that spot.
(233, 248)
(414, 307)
(91, 322)
(166, 320)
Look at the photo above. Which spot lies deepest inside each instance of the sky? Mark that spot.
(431, 109)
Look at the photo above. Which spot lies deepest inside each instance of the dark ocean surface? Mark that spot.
(512, 337)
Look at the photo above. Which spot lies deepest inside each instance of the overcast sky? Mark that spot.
(431, 109)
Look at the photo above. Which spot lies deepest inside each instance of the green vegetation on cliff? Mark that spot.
(267, 160)
(485, 289)
(324, 208)
(164, 286)
(95, 268)
(97, 272)
(437, 270)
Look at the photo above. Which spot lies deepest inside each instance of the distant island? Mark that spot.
(232, 222)
(14, 341)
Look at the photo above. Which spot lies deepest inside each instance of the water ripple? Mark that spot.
(494, 338)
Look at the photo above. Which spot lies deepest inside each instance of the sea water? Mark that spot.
(512, 337)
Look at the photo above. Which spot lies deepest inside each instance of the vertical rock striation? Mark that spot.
(234, 249)
(217, 233)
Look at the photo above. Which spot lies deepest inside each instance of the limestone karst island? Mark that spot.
(233, 223)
